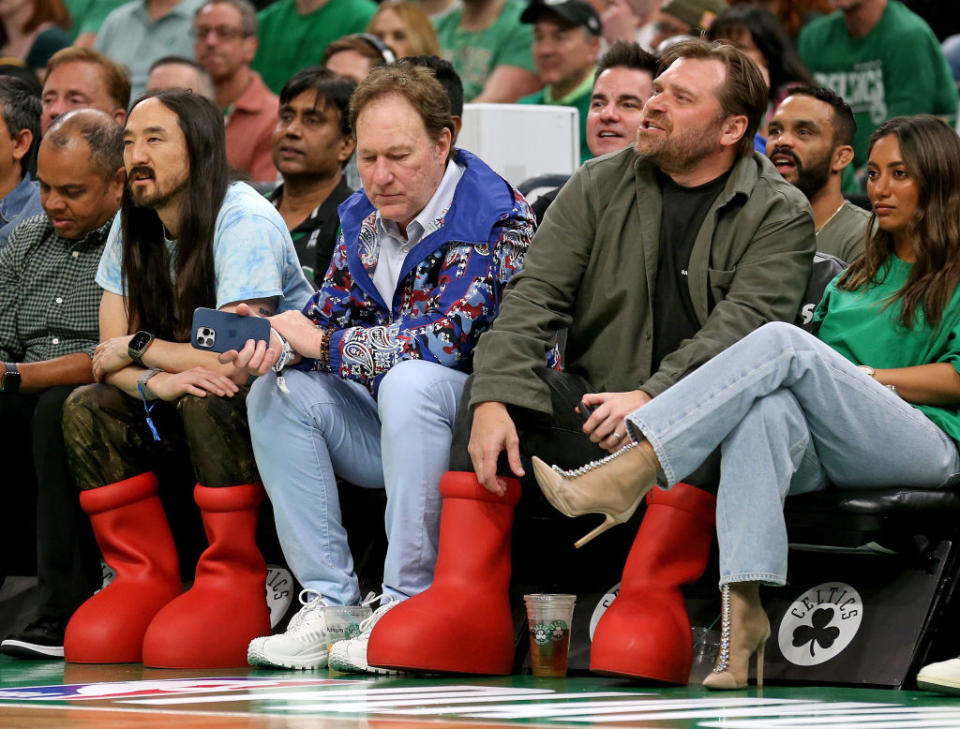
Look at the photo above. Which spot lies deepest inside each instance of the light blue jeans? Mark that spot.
(328, 425)
(789, 414)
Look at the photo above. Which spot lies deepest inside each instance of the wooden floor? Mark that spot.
(51, 695)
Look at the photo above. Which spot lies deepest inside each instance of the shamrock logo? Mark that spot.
(817, 632)
(541, 634)
(558, 629)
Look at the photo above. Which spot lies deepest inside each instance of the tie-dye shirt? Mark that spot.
(253, 254)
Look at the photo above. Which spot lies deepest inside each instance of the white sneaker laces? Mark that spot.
(386, 602)
(311, 606)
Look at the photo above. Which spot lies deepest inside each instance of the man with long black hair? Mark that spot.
(186, 238)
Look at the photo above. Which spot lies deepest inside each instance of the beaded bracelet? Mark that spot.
(325, 349)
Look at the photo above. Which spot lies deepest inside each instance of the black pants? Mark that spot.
(558, 439)
(67, 560)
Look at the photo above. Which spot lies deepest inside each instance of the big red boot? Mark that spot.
(211, 625)
(134, 538)
(645, 633)
(462, 623)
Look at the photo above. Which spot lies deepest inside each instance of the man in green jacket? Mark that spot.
(654, 259)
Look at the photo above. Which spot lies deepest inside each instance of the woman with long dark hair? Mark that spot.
(791, 411)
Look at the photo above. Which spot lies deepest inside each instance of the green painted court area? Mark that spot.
(130, 695)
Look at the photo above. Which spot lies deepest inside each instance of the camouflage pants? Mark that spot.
(108, 438)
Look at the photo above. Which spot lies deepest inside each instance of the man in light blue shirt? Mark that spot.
(20, 134)
(138, 33)
(185, 238)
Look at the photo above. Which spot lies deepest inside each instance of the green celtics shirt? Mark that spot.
(290, 42)
(896, 69)
(863, 328)
(474, 54)
(579, 99)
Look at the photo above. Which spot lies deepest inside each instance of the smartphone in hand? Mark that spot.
(220, 331)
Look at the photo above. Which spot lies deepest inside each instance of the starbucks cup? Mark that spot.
(343, 621)
(549, 618)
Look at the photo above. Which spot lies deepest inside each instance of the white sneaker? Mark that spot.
(350, 656)
(943, 676)
(303, 646)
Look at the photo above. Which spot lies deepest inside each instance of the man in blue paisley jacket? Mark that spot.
(366, 381)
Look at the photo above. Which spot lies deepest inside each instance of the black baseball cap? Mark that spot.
(573, 11)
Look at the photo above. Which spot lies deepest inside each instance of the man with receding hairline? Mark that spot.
(417, 276)
(83, 78)
(49, 304)
(226, 43)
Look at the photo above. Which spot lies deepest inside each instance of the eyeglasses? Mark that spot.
(220, 32)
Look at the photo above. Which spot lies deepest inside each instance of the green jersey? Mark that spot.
(896, 69)
(579, 99)
(863, 328)
(476, 53)
(290, 42)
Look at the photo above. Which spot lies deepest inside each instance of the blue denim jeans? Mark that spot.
(789, 414)
(399, 442)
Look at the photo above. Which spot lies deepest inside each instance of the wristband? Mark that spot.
(142, 380)
(286, 354)
(144, 393)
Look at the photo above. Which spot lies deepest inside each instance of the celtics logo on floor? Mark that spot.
(820, 623)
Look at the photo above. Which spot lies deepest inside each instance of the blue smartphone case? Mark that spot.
(220, 331)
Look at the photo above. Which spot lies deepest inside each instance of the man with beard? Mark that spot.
(654, 259)
(186, 237)
(810, 141)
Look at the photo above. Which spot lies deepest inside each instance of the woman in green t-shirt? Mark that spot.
(792, 411)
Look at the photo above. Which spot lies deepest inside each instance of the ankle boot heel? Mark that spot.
(613, 486)
(744, 631)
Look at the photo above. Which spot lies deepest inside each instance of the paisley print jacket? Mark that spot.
(450, 286)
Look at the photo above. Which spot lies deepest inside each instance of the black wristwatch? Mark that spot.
(11, 378)
(138, 345)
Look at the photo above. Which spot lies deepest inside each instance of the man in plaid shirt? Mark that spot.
(49, 304)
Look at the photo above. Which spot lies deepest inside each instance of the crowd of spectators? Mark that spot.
(297, 161)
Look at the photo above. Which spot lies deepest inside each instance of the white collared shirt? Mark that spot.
(394, 248)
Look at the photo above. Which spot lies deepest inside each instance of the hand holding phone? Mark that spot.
(220, 331)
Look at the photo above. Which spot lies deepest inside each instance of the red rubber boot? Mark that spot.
(462, 623)
(645, 633)
(134, 538)
(211, 625)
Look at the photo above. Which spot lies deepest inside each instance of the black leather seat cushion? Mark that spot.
(900, 511)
